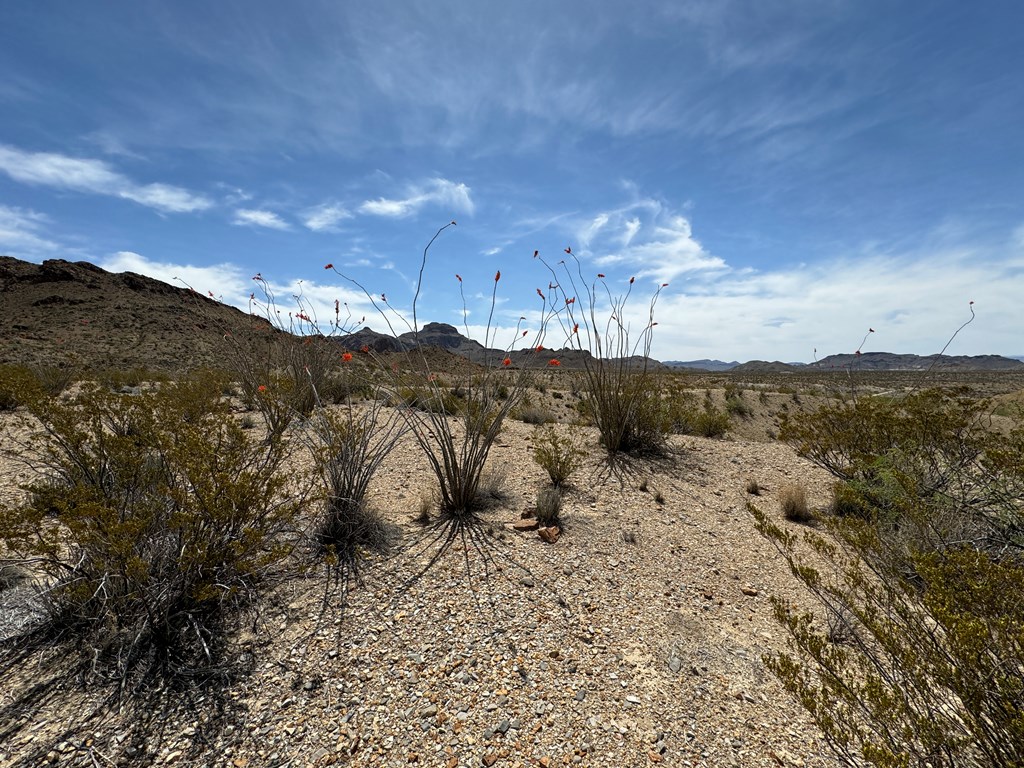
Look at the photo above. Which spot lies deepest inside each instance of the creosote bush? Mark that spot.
(17, 384)
(162, 520)
(916, 654)
(558, 455)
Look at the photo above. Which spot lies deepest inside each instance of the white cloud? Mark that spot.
(20, 232)
(223, 279)
(646, 237)
(325, 218)
(231, 285)
(914, 301)
(95, 176)
(440, 192)
(256, 218)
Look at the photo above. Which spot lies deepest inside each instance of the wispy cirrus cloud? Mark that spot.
(326, 217)
(259, 218)
(21, 232)
(441, 192)
(96, 177)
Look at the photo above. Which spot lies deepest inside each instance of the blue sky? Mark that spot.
(796, 171)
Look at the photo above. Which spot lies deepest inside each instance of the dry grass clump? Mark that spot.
(549, 506)
(793, 501)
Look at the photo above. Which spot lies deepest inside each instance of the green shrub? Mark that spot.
(919, 577)
(931, 435)
(53, 379)
(154, 532)
(531, 414)
(17, 384)
(558, 455)
(737, 406)
(710, 422)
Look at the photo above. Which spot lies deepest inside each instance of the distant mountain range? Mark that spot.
(448, 337)
(702, 365)
(889, 361)
(868, 361)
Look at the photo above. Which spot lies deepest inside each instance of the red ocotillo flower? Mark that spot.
(347, 357)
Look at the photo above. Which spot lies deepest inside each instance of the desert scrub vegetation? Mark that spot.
(617, 383)
(347, 447)
(793, 501)
(915, 656)
(156, 524)
(549, 506)
(455, 427)
(558, 455)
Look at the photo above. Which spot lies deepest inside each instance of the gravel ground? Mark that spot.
(635, 639)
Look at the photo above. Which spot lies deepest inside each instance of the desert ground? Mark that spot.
(635, 639)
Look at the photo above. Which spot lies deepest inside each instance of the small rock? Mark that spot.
(632, 700)
(527, 581)
(749, 591)
(549, 534)
(581, 694)
(525, 524)
(490, 759)
(502, 727)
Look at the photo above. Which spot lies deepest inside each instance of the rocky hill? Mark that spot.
(74, 314)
